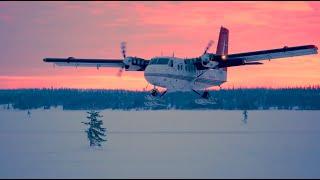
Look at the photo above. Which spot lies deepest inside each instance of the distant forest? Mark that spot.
(230, 99)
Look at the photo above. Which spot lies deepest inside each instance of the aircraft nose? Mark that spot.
(45, 59)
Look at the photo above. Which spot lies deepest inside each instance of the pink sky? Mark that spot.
(30, 31)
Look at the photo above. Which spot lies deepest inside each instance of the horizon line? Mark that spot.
(144, 90)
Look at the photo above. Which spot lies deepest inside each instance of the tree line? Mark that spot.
(304, 98)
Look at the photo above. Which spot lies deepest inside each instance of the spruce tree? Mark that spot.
(95, 132)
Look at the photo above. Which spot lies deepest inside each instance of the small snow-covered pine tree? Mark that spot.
(95, 132)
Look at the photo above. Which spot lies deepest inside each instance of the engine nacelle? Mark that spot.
(135, 64)
(208, 60)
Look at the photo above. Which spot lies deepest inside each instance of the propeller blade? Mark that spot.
(123, 49)
(208, 46)
(119, 74)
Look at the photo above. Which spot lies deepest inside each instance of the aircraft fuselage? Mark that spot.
(178, 74)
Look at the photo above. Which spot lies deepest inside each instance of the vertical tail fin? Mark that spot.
(222, 47)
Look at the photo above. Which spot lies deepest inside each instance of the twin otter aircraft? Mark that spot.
(199, 73)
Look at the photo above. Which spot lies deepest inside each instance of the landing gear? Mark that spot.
(205, 95)
(154, 92)
(154, 98)
(205, 98)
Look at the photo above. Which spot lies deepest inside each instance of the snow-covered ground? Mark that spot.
(161, 144)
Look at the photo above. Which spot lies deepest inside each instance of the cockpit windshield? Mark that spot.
(153, 61)
(159, 61)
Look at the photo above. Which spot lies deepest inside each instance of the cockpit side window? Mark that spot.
(153, 61)
(170, 63)
(163, 61)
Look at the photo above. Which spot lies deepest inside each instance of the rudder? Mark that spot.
(222, 47)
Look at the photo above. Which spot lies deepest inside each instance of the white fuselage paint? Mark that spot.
(179, 77)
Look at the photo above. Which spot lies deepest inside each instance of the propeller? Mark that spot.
(123, 47)
(208, 46)
(205, 57)
(119, 74)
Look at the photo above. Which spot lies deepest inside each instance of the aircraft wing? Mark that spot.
(274, 53)
(85, 62)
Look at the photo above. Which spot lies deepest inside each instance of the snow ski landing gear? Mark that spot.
(205, 98)
(154, 98)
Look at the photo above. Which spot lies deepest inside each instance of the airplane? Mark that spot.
(188, 74)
